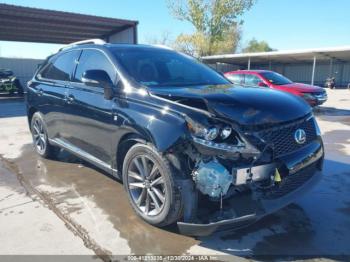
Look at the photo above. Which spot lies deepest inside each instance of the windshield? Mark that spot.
(5, 73)
(161, 68)
(276, 79)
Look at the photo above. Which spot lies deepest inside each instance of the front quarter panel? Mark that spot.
(156, 122)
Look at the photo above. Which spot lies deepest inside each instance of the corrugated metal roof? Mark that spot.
(26, 24)
(341, 53)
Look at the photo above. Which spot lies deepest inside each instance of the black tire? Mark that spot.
(171, 209)
(19, 87)
(40, 137)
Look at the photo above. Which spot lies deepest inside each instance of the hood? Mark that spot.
(245, 106)
(304, 88)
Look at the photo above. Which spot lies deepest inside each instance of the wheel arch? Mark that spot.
(30, 113)
(125, 143)
(162, 135)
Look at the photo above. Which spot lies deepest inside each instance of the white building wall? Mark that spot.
(123, 37)
(23, 68)
(346, 73)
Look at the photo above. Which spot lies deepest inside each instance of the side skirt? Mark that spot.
(84, 155)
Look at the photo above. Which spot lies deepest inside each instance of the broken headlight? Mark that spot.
(226, 132)
(221, 137)
(208, 133)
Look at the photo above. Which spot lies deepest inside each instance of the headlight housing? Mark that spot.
(226, 132)
(308, 96)
(211, 133)
(220, 136)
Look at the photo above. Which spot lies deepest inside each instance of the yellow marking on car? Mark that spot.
(277, 176)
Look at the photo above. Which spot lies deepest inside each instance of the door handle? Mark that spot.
(69, 99)
(39, 92)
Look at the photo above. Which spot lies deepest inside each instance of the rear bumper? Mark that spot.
(304, 172)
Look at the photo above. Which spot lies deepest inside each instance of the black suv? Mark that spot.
(188, 146)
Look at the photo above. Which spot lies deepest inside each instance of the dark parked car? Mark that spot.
(313, 95)
(188, 146)
(9, 83)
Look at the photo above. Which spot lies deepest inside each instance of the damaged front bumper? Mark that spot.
(304, 168)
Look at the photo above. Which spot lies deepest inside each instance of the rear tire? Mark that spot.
(151, 184)
(40, 137)
(19, 87)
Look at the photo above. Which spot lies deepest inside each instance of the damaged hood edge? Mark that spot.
(245, 106)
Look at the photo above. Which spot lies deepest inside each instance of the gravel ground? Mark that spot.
(69, 207)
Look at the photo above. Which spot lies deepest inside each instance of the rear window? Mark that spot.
(61, 67)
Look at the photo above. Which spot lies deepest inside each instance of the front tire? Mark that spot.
(40, 137)
(151, 184)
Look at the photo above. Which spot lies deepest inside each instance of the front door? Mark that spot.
(90, 123)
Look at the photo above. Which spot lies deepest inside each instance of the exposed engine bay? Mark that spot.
(213, 179)
(230, 181)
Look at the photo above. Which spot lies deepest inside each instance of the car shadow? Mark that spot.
(331, 111)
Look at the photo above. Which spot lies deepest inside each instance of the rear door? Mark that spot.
(51, 88)
(90, 122)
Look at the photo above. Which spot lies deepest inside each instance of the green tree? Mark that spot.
(257, 46)
(216, 22)
(164, 38)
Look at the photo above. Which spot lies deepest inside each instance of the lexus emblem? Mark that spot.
(300, 136)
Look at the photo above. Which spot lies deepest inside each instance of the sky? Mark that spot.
(284, 24)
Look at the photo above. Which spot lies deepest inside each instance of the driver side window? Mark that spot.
(252, 80)
(94, 60)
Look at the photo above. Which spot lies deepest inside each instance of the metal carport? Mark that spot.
(26, 24)
(313, 57)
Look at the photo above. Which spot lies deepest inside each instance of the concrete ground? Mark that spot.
(69, 207)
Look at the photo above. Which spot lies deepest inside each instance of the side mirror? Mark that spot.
(262, 84)
(99, 78)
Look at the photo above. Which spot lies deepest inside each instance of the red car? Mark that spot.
(314, 95)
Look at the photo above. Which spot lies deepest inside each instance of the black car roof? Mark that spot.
(116, 46)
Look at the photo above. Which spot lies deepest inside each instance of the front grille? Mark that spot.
(282, 138)
(291, 182)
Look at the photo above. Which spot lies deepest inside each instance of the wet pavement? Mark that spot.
(96, 201)
(95, 207)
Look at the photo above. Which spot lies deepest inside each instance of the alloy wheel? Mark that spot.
(39, 136)
(146, 185)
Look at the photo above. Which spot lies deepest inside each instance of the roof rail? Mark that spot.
(95, 41)
(162, 46)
